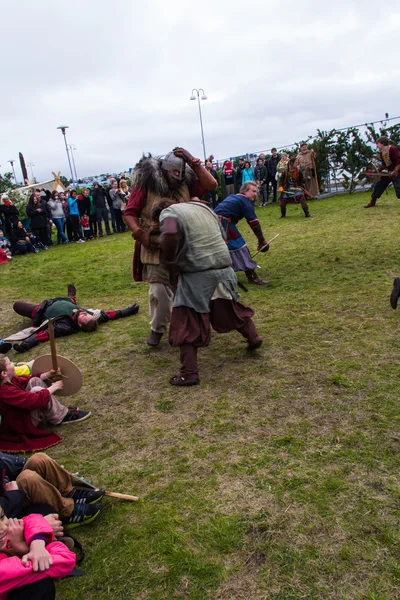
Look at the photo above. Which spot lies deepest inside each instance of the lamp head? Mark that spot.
(63, 128)
(192, 97)
(204, 97)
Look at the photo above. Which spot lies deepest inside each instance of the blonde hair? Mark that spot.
(4, 197)
(246, 186)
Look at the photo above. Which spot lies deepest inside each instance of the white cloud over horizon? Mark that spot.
(120, 75)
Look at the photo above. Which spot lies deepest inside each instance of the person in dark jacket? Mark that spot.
(84, 202)
(211, 197)
(271, 165)
(10, 212)
(99, 200)
(239, 175)
(20, 240)
(40, 216)
(68, 318)
(260, 176)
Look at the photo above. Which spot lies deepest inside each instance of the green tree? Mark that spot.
(5, 183)
(65, 181)
(351, 153)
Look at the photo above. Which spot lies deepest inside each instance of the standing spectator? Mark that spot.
(83, 202)
(10, 212)
(92, 218)
(247, 173)
(67, 221)
(271, 165)
(228, 178)
(110, 204)
(46, 196)
(57, 215)
(40, 216)
(74, 216)
(238, 175)
(116, 204)
(211, 197)
(123, 191)
(260, 176)
(99, 200)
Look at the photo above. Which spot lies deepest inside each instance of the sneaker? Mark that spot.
(82, 515)
(74, 415)
(45, 247)
(5, 347)
(84, 496)
(80, 241)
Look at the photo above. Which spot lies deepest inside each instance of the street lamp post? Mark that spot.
(63, 128)
(12, 161)
(72, 148)
(31, 164)
(203, 97)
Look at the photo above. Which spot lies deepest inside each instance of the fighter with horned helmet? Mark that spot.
(178, 176)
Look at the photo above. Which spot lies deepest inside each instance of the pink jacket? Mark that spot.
(13, 574)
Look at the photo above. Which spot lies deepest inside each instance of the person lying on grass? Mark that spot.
(40, 480)
(30, 572)
(25, 403)
(68, 318)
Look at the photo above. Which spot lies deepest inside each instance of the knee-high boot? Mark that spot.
(249, 331)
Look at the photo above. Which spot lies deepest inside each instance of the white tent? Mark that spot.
(51, 185)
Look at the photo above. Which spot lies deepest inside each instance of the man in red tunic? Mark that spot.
(390, 157)
(180, 177)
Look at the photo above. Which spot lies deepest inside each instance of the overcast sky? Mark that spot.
(120, 74)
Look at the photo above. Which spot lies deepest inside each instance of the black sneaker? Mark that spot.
(82, 496)
(5, 347)
(82, 515)
(75, 415)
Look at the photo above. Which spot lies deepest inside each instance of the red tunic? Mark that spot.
(17, 432)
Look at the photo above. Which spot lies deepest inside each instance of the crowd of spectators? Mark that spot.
(83, 215)
(74, 217)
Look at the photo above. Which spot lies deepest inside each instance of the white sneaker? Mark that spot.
(80, 242)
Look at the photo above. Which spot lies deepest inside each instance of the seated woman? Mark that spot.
(24, 403)
(20, 240)
(30, 572)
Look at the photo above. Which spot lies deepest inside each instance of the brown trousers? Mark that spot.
(44, 481)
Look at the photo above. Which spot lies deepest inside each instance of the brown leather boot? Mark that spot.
(371, 203)
(253, 278)
(154, 338)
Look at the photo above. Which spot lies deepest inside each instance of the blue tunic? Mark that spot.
(236, 207)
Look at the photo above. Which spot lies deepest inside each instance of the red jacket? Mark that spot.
(13, 574)
(17, 432)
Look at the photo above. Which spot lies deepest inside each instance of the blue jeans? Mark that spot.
(59, 223)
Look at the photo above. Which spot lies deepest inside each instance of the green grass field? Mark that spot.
(278, 477)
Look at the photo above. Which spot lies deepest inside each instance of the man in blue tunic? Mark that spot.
(234, 208)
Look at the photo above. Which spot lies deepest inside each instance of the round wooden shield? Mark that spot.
(71, 375)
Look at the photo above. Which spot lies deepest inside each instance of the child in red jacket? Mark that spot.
(24, 403)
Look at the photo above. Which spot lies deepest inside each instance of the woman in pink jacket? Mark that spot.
(31, 577)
